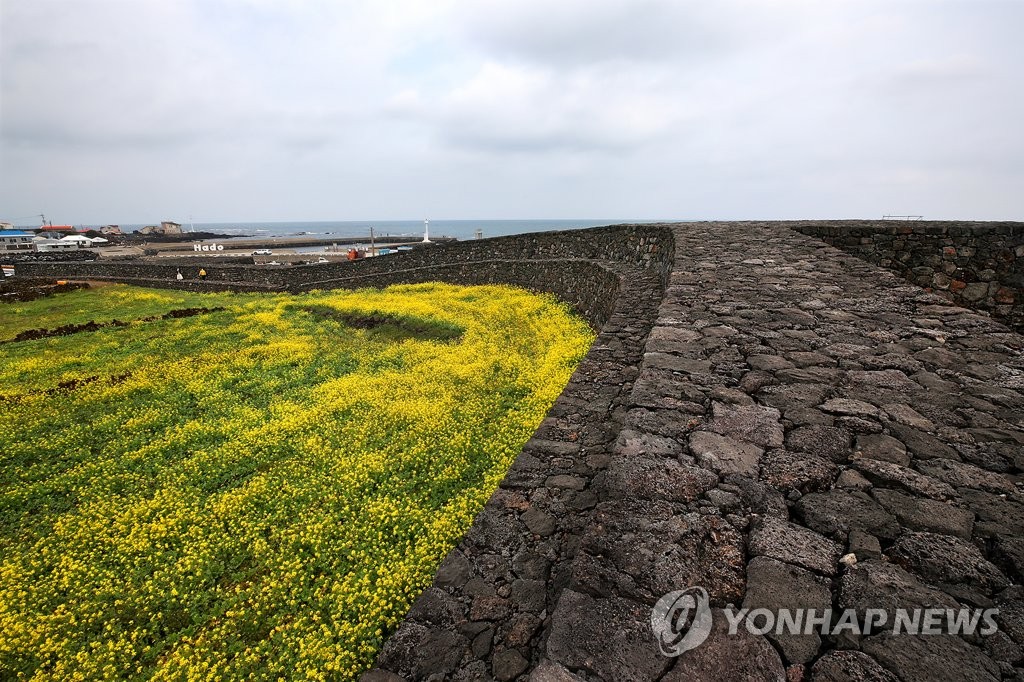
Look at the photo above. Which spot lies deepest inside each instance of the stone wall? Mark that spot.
(642, 245)
(581, 267)
(975, 264)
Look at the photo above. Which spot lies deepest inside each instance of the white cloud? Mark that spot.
(316, 108)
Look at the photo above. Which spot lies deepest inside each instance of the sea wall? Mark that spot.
(974, 264)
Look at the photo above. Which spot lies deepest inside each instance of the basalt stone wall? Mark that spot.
(643, 245)
(10, 258)
(581, 267)
(975, 264)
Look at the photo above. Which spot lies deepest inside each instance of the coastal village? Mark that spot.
(48, 237)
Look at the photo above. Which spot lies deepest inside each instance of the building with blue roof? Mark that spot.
(15, 240)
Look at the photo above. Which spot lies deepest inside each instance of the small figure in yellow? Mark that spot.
(202, 273)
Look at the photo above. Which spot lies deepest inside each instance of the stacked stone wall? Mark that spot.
(581, 267)
(975, 264)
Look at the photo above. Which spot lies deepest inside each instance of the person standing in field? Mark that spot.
(178, 275)
(202, 273)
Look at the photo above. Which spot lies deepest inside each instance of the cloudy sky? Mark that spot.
(229, 110)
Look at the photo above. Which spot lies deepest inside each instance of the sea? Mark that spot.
(460, 229)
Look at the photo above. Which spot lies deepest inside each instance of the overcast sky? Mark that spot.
(129, 111)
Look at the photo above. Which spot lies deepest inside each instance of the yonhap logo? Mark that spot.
(681, 620)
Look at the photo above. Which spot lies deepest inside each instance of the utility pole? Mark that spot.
(373, 248)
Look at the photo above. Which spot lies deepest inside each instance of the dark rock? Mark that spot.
(1011, 553)
(521, 629)
(823, 441)
(454, 571)
(919, 513)
(891, 379)
(675, 363)
(761, 498)
(878, 585)
(959, 474)
(434, 606)
(1000, 647)
(546, 671)
(725, 502)
(922, 445)
(908, 416)
(752, 423)
(489, 608)
(539, 522)
(942, 559)
(1011, 620)
(864, 545)
(416, 651)
(566, 482)
(775, 585)
(859, 425)
(668, 423)
(632, 443)
(752, 382)
(478, 587)
(529, 595)
(530, 565)
(881, 447)
(995, 515)
(728, 658)
(378, 675)
(645, 550)
(777, 539)
(931, 657)
(496, 531)
(849, 666)
(730, 395)
(809, 359)
(801, 472)
(508, 664)
(482, 642)
(610, 638)
(852, 480)
(837, 512)
(658, 479)
(887, 474)
(851, 408)
(769, 363)
(725, 455)
(793, 396)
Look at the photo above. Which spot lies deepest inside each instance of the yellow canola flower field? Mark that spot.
(257, 492)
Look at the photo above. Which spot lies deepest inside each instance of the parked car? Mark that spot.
(321, 259)
(263, 252)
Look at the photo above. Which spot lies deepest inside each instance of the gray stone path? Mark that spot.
(793, 406)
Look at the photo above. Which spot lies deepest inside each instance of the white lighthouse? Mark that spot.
(426, 231)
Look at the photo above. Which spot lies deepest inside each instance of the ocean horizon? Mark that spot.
(460, 229)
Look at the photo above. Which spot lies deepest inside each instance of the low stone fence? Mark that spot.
(975, 264)
(578, 266)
